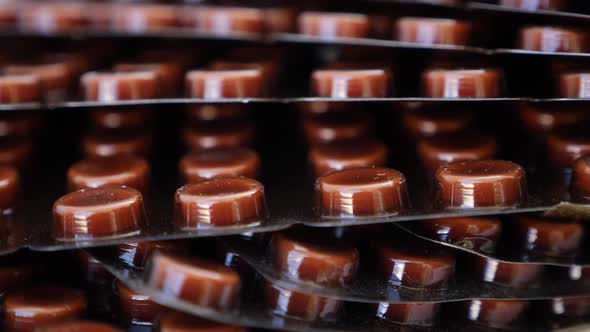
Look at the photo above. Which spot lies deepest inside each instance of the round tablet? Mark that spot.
(426, 123)
(538, 119)
(135, 308)
(333, 25)
(536, 4)
(337, 126)
(573, 272)
(329, 157)
(505, 273)
(218, 135)
(423, 266)
(98, 213)
(173, 321)
(114, 86)
(548, 237)
(216, 112)
(221, 162)
(54, 17)
(142, 18)
(15, 151)
(441, 150)
(9, 187)
(462, 83)
(300, 256)
(570, 307)
(204, 283)
(574, 85)
(137, 254)
(481, 183)
(119, 118)
(220, 202)
(224, 20)
(288, 303)
(478, 233)
(496, 313)
(269, 68)
(217, 84)
(19, 89)
(76, 62)
(421, 314)
(29, 308)
(362, 192)
(114, 171)
(79, 326)
(431, 31)
(566, 146)
(553, 39)
(106, 143)
(55, 76)
(581, 180)
(351, 82)
(169, 73)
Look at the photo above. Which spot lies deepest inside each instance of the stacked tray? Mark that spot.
(359, 166)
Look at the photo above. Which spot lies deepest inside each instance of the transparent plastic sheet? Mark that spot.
(520, 85)
(557, 14)
(290, 202)
(162, 229)
(578, 259)
(23, 270)
(491, 13)
(504, 39)
(290, 198)
(371, 287)
(252, 311)
(292, 101)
